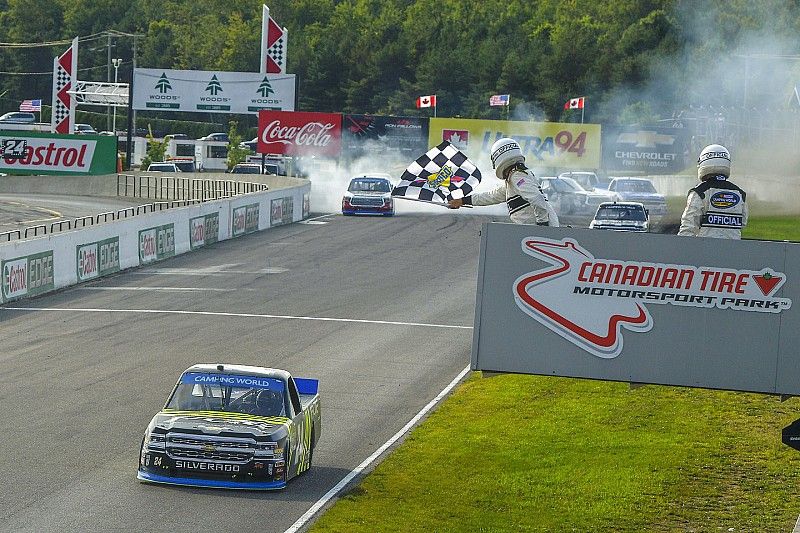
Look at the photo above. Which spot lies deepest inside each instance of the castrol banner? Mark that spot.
(641, 308)
(544, 144)
(27, 276)
(300, 133)
(24, 152)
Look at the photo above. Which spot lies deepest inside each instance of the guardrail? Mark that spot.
(175, 188)
(172, 191)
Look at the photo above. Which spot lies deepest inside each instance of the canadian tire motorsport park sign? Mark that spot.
(644, 308)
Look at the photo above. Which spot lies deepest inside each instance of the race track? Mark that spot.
(18, 211)
(79, 387)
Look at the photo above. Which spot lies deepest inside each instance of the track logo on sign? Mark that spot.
(589, 301)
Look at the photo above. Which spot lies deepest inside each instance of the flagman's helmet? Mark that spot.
(505, 152)
(714, 160)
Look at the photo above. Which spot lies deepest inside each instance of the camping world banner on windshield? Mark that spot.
(204, 91)
(545, 144)
(25, 152)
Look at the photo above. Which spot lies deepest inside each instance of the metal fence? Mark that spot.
(174, 188)
(170, 192)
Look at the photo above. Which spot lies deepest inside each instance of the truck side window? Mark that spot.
(295, 397)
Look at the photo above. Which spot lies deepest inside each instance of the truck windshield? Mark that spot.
(636, 186)
(621, 213)
(369, 185)
(184, 166)
(250, 395)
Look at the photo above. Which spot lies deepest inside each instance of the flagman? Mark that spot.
(520, 191)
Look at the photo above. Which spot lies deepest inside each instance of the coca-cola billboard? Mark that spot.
(299, 133)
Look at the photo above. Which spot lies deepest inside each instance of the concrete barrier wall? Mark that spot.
(35, 266)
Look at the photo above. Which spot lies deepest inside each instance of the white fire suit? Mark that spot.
(715, 208)
(524, 198)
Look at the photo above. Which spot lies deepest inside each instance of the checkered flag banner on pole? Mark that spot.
(442, 174)
(65, 79)
(274, 41)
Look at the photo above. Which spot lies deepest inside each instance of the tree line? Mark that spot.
(371, 56)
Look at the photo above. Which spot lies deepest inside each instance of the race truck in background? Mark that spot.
(233, 426)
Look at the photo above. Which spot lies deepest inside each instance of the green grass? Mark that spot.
(530, 453)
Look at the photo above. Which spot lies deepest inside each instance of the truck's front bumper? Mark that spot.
(210, 483)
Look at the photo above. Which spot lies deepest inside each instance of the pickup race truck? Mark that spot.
(233, 426)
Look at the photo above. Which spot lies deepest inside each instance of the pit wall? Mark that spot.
(36, 266)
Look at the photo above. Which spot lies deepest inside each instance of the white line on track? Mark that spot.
(321, 216)
(240, 315)
(308, 515)
(163, 289)
(205, 272)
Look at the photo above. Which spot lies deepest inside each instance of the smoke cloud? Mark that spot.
(731, 80)
(330, 178)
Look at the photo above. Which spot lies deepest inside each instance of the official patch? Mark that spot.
(724, 199)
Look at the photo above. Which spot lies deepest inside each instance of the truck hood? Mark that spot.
(219, 423)
(371, 194)
(621, 225)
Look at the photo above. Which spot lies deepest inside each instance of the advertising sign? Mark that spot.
(203, 230)
(652, 150)
(27, 152)
(97, 259)
(643, 308)
(370, 135)
(211, 91)
(299, 133)
(551, 144)
(282, 211)
(27, 276)
(245, 219)
(156, 243)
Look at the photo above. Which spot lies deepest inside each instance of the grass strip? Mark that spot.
(532, 453)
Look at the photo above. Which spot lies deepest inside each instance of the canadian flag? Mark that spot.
(426, 101)
(575, 103)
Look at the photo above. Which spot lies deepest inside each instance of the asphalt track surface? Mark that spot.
(20, 210)
(79, 387)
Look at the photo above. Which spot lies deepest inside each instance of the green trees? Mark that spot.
(374, 56)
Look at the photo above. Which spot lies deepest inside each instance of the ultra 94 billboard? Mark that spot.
(299, 133)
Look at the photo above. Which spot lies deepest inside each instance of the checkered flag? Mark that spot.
(276, 52)
(442, 174)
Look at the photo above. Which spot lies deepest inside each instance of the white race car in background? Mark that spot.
(621, 216)
(570, 199)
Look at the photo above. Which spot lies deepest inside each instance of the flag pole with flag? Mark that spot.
(576, 103)
(32, 106)
(501, 100)
(427, 101)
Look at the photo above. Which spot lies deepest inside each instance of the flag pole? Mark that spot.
(582, 107)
